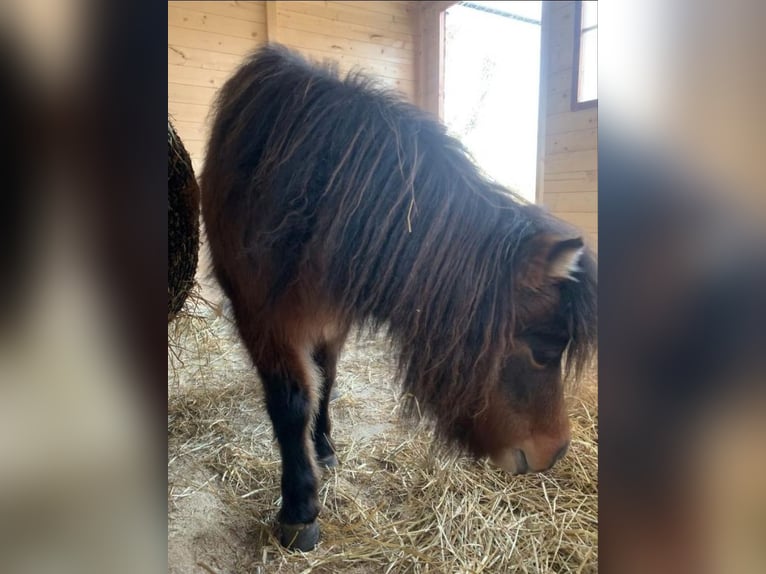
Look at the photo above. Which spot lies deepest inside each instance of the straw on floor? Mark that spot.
(395, 503)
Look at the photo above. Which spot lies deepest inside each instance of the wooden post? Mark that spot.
(542, 110)
(430, 89)
(271, 21)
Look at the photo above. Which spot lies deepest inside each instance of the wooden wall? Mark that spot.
(570, 161)
(207, 40)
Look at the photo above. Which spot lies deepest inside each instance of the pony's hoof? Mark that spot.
(329, 461)
(300, 536)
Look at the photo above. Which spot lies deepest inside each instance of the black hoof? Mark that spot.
(300, 536)
(328, 461)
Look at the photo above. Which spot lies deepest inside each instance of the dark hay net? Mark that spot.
(183, 223)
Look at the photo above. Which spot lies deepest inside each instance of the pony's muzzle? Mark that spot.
(512, 460)
(519, 461)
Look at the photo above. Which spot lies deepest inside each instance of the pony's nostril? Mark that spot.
(522, 466)
(561, 452)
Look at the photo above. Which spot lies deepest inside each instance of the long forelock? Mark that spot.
(579, 298)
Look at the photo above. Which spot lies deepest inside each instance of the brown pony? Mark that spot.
(329, 202)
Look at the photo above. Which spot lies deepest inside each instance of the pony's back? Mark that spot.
(305, 168)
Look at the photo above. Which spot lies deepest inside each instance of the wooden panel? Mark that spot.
(190, 131)
(573, 175)
(560, 81)
(196, 149)
(248, 11)
(572, 121)
(571, 161)
(562, 22)
(431, 59)
(561, 56)
(436, 5)
(205, 59)
(542, 98)
(272, 24)
(382, 70)
(403, 43)
(561, 47)
(405, 87)
(363, 50)
(197, 95)
(559, 102)
(208, 40)
(185, 38)
(571, 202)
(572, 141)
(571, 182)
(184, 112)
(191, 76)
(194, 20)
(353, 14)
(400, 9)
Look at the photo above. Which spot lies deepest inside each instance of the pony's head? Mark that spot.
(523, 425)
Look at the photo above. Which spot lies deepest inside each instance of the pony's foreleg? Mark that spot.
(326, 357)
(291, 403)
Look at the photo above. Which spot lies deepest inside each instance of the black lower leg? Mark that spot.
(290, 410)
(326, 358)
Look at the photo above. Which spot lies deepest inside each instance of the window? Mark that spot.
(492, 87)
(585, 83)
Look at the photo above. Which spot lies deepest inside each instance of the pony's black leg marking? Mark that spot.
(289, 407)
(326, 358)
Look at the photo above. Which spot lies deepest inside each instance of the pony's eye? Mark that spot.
(547, 357)
(546, 351)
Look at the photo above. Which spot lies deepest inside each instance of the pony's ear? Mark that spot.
(564, 258)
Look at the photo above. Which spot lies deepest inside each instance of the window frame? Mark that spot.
(577, 105)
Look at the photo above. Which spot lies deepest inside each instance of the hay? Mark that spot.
(395, 504)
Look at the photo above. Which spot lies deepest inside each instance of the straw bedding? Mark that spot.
(395, 503)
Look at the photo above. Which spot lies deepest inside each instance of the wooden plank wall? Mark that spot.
(377, 36)
(207, 40)
(570, 172)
